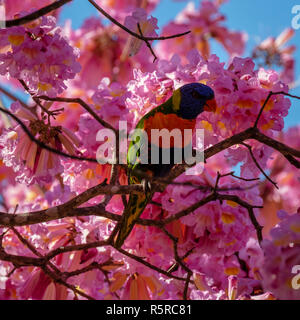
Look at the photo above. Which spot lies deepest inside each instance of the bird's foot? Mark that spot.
(147, 186)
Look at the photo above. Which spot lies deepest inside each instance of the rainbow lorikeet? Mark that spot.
(178, 112)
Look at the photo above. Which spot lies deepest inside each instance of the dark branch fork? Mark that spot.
(84, 105)
(271, 93)
(258, 165)
(134, 34)
(139, 35)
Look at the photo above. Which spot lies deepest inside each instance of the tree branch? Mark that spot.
(147, 43)
(271, 93)
(43, 145)
(15, 98)
(84, 105)
(68, 209)
(34, 15)
(130, 31)
(258, 165)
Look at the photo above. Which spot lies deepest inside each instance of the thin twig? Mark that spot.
(84, 105)
(43, 145)
(149, 265)
(271, 93)
(15, 98)
(244, 179)
(178, 259)
(34, 15)
(130, 31)
(37, 101)
(262, 109)
(250, 208)
(147, 43)
(55, 275)
(258, 165)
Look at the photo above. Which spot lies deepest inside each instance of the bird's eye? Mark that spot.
(196, 95)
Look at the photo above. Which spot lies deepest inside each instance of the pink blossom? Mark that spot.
(106, 49)
(111, 101)
(253, 255)
(240, 91)
(120, 9)
(147, 27)
(35, 285)
(214, 228)
(204, 23)
(287, 197)
(49, 59)
(9, 291)
(273, 53)
(216, 272)
(25, 156)
(282, 253)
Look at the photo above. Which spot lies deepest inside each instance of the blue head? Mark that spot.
(192, 99)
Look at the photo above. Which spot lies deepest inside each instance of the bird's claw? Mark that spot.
(147, 187)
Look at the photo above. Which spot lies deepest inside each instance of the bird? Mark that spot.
(178, 112)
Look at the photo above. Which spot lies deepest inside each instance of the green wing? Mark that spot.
(133, 155)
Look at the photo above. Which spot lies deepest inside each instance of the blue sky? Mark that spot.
(258, 18)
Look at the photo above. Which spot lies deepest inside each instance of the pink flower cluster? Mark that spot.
(285, 174)
(140, 24)
(110, 100)
(218, 229)
(271, 52)
(282, 258)
(240, 91)
(39, 55)
(33, 283)
(287, 197)
(205, 23)
(120, 9)
(106, 48)
(33, 163)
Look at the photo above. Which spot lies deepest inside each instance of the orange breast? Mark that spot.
(170, 122)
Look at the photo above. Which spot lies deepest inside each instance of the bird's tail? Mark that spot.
(135, 207)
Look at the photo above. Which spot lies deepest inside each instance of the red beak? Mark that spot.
(210, 105)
